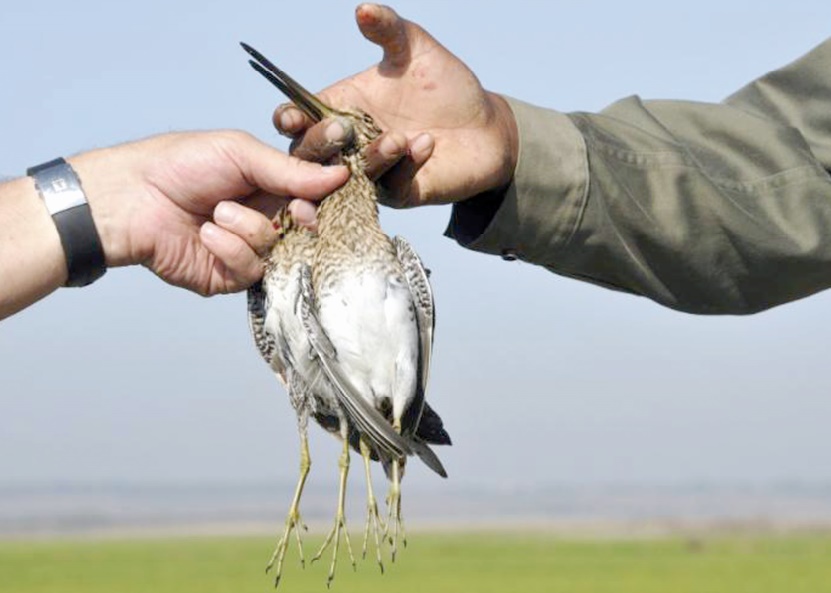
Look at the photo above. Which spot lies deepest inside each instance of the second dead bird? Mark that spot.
(361, 304)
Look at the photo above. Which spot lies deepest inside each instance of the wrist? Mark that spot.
(63, 195)
(107, 181)
(507, 132)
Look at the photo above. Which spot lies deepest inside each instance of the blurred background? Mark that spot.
(131, 403)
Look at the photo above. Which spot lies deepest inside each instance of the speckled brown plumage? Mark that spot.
(346, 319)
(350, 235)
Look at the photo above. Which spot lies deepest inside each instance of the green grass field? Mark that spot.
(432, 563)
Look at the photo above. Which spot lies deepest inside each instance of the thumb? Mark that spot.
(382, 26)
(266, 168)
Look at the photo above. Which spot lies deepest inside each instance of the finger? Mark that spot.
(266, 204)
(324, 140)
(248, 224)
(290, 121)
(382, 26)
(399, 184)
(385, 152)
(267, 168)
(240, 266)
(304, 213)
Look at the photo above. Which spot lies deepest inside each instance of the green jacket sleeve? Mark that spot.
(705, 208)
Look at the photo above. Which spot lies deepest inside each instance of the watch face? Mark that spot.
(61, 191)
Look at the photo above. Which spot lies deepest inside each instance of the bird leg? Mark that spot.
(373, 519)
(340, 519)
(394, 517)
(293, 521)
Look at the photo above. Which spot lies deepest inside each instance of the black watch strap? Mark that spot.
(61, 191)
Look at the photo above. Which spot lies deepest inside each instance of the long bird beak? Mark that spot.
(306, 101)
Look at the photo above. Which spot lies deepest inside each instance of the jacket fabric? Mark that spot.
(706, 208)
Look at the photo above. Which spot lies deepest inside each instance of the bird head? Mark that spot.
(363, 126)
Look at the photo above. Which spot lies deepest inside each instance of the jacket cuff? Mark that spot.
(540, 210)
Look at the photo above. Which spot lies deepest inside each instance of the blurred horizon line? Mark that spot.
(113, 507)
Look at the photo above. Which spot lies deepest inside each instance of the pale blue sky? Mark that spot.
(540, 379)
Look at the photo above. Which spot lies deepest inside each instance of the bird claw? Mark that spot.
(334, 539)
(373, 521)
(293, 523)
(396, 521)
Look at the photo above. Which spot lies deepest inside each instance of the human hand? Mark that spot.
(195, 207)
(446, 137)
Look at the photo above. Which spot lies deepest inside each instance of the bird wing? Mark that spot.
(256, 322)
(366, 418)
(417, 280)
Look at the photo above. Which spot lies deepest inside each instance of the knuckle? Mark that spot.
(236, 256)
(306, 146)
(257, 234)
(231, 140)
(240, 135)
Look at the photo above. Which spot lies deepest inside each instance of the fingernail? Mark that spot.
(422, 144)
(209, 231)
(288, 119)
(225, 213)
(303, 212)
(338, 132)
(334, 170)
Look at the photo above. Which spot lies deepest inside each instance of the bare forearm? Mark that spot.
(32, 262)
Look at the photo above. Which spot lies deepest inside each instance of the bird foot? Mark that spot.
(374, 522)
(395, 521)
(293, 523)
(334, 538)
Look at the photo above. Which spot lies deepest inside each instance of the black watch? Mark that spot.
(59, 187)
